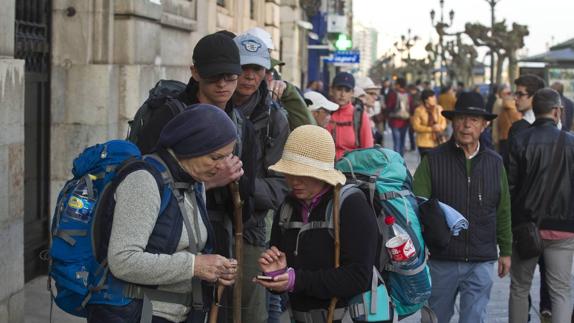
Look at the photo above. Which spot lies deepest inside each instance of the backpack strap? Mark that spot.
(357, 121)
(196, 289)
(286, 212)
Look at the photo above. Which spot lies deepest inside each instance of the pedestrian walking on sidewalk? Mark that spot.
(540, 181)
(471, 178)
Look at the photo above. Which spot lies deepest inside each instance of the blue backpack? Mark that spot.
(82, 224)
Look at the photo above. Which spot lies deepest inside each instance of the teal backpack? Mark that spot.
(384, 178)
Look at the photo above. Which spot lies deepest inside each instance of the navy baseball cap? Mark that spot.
(344, 79)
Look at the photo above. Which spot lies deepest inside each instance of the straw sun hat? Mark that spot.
(310, 151)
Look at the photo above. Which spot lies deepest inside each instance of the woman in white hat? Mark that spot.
(301, 259)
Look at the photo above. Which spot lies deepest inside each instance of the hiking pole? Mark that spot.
(215, 306)
(336, 216)
(238, 221)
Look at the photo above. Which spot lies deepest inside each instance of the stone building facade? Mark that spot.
(101, 58)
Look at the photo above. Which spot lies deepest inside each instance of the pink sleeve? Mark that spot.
(366, 132)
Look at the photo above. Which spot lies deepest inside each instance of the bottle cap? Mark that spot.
(389, 220)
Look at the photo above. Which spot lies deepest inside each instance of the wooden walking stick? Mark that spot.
(238, 221)
(214, 310)
(336, 230)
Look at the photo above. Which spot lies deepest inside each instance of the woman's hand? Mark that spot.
(272, 260)
(279, 284)
(213, 268)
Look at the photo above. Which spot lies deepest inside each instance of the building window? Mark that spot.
(221, 3)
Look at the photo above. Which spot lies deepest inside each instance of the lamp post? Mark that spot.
(440, 27)
(492, 4)
(407, 42)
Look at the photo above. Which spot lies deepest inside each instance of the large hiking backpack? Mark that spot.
(160, 107)
(81, 228)
(384, 178)
(401, 110)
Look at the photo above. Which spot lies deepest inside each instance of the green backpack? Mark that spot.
(384, 178)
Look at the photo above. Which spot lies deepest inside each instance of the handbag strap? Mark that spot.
(558, 150)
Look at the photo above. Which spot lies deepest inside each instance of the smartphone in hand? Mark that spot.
(265, 278)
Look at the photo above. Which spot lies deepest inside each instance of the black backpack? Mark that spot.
(160, 107)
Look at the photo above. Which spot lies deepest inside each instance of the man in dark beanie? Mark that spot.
(471, 178)
(540, 179)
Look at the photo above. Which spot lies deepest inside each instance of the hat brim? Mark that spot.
(347, 85)
(255, 60)
(331, 177)
(451, 114)
(327, 105)
(213, 69)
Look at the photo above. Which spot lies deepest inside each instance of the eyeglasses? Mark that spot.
(519, 94)
(225, 77)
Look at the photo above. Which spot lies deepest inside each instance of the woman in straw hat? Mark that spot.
(301, 261)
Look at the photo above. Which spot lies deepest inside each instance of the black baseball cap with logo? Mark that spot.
(216, 54)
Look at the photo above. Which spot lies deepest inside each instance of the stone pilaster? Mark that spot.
(11, 172)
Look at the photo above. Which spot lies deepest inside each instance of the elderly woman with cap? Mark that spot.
(302, 263)
(169, 247)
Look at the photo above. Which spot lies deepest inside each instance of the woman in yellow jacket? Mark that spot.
(428, 123)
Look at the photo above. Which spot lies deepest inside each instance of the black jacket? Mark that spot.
(476, 195)
(316, 279)
(219, 200)
(530, 157)
(271, 132)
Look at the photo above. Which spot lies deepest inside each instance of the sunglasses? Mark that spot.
(519, 94)
(225, 77)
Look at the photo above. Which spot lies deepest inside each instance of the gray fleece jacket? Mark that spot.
(137, 208)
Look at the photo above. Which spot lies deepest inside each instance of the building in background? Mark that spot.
(72, 73)
(330, 51)
(293, 50)
(365, 41)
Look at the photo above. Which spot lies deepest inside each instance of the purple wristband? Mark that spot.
(276, 272)
(291, 283)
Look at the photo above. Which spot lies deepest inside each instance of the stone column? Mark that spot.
(11, 171)
(293, 46)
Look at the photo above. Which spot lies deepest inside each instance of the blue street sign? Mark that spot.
(344, 57)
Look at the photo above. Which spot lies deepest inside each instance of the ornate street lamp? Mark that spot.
(440, 27)
(492, 4)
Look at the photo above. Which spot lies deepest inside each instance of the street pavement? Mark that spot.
(37, 305)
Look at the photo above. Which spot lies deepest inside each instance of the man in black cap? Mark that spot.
(540, 180)
(215, 74)
(471, 178)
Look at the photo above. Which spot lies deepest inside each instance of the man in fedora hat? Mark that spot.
(471, 178)
(540, 181)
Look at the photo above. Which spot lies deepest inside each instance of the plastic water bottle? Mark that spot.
(400, 245)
